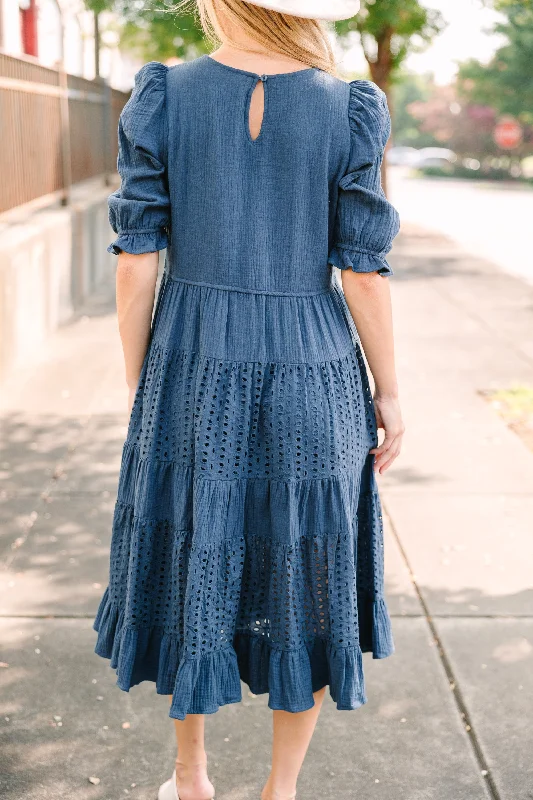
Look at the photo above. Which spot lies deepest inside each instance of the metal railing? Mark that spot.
(56, 129)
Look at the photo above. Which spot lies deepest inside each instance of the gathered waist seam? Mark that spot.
(249, 291)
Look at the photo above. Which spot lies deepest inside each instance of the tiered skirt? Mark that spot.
(247, 539)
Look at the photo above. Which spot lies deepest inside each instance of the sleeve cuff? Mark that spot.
(359, 260)
(137, 243)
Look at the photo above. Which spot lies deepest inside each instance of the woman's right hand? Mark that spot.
(388, 417)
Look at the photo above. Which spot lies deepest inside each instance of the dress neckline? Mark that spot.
(257, 75)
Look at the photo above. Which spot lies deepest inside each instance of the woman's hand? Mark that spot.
(388, 417)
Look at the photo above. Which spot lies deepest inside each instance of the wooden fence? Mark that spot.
(56, 129)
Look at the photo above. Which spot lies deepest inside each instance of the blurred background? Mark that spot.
(449, 714)
(457, 74)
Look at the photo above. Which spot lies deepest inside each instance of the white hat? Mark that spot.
(313, 9)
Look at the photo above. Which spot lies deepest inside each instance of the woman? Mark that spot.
(247, 534)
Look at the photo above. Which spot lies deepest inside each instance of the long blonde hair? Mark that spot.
(305, 40)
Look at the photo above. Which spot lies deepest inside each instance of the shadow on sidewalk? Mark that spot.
(65, 721)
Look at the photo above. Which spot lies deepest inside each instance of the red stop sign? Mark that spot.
(508, 134)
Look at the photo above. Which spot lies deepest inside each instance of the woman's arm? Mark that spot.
(135, 282)
(368, 297)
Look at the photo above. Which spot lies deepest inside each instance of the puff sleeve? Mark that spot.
(366, 223)
(139, 211)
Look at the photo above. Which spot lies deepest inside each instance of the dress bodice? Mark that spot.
(270, 214)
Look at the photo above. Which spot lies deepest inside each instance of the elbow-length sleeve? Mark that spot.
(366, 223)
(139, 211)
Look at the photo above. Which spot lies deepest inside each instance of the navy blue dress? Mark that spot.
(247, 536)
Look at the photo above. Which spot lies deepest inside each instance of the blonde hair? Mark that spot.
(305, 40)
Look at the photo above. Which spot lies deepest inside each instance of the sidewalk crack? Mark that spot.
(458, 697)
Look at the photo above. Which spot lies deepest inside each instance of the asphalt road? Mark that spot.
(490, 220)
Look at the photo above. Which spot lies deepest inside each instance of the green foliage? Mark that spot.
(157, 33)
(432, 115)
(505, 83)
(408, 89)
(153, 31)
(503, 5)
(99, 5)
(389, 30)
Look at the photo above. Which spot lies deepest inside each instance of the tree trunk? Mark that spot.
(380, 72)
(96, 29)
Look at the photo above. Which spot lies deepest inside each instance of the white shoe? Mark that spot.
(168, 790)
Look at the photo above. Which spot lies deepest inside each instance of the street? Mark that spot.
(493, 220)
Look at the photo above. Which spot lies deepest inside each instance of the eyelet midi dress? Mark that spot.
(247, 538)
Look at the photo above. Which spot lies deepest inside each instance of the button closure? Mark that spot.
(254, 85)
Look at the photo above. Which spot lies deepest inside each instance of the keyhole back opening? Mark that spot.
(256, 109)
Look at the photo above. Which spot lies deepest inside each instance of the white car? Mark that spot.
(434, 157)
(402, 156)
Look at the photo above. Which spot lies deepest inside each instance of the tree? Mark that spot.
(409, 89)
(389, 30)
(151, 29)
(157, 34)
(466, 129)
(505, 83)
(97, 6)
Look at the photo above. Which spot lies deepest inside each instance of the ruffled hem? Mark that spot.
(198, 685)
(291, 676)
(359, 261)
(137, 243)
(202, 685)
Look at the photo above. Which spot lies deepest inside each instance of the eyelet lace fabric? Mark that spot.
(247, 539)
(247, 535)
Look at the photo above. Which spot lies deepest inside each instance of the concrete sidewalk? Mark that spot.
(447, 717)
